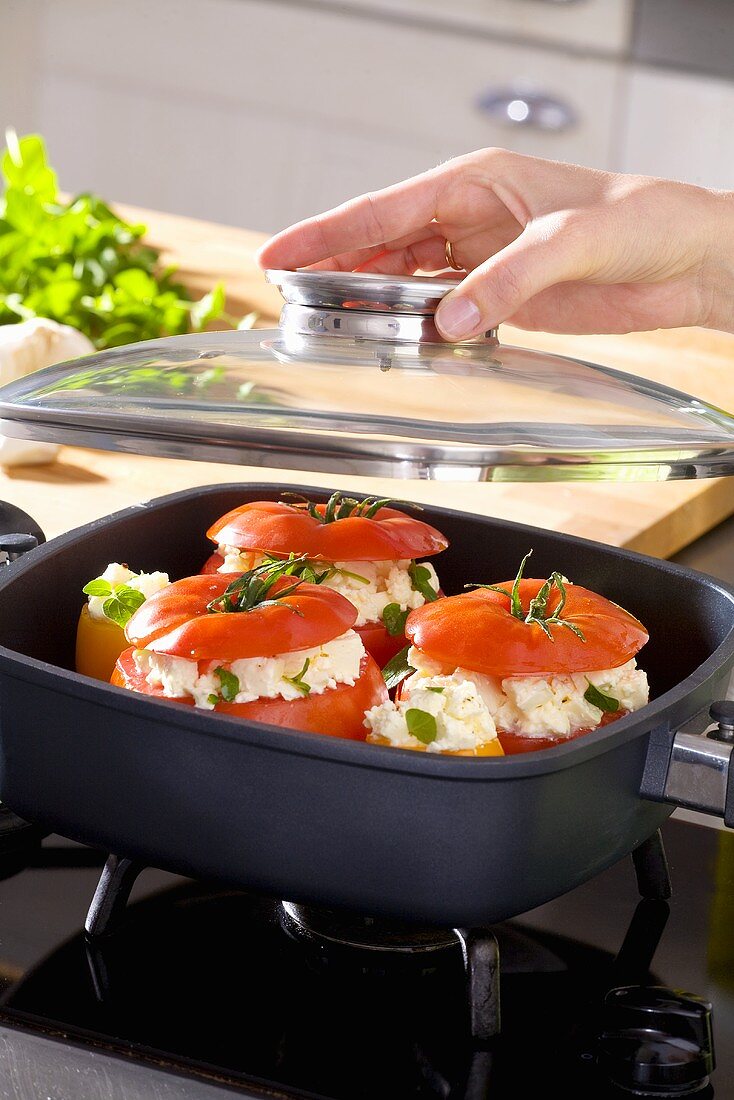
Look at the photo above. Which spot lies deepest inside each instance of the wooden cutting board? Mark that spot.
(656, 518)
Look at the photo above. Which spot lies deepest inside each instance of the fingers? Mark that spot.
(544, 254)
(428, 254)
(363, 222)
(362, 259)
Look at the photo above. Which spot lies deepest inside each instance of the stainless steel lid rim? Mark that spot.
(517, 436)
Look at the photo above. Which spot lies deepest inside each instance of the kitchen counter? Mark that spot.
(655, 518)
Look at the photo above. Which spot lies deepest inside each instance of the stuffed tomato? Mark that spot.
(263, 646)
(519, 666)
(112, 598)
(365, 550)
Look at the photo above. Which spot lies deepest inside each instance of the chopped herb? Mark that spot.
(230, 684)
(298, 681)
(438, 691)
(600, 699)
(213, 699)
(397, 669)
(339, 507)
(313, 570)
(352, 576)
(255, 588)
(538, 608)
(394, 619)
(515, 601)
(421, 580)
(421, 725)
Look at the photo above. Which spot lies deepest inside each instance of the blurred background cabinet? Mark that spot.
(259, 112)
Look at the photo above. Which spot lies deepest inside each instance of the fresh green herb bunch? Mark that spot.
(538, 611)
(339, 507)
(78, 263)
(255, 587)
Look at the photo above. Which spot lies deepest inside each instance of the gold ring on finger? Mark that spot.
(449, 254)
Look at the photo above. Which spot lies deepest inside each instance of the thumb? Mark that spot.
(540, 257)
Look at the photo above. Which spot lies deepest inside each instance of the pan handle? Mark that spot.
(691, 768)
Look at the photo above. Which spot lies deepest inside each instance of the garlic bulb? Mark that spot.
(27, 347)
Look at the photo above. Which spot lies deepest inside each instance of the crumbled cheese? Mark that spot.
(147, 583)
(382, 583)
(462, 718)
(238, 561)
(335, 662)
(541, 706)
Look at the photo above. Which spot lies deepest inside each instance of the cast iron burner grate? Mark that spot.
(349, 933)
(274, 998)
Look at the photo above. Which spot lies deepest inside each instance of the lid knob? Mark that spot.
(656, 1042)
(363, 306)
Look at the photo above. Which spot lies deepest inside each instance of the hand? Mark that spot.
(546, 245)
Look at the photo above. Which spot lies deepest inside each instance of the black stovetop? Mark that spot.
(218, 985)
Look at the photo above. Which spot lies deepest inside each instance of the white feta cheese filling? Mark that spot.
(316, 670)
(530, 706)
(369, 585)
(147, 583)
(461, 715)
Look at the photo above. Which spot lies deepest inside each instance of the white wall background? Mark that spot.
(258, 112)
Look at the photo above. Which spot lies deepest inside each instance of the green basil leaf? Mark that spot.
(421, 579)
(397, 669)
(98, 587)
(394, 619)
(421, 725)
(116, 611)
(130, 598)
(600, 699)
(230, 684)
(213, 699)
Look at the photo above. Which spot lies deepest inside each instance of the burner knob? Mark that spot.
(656, 1042)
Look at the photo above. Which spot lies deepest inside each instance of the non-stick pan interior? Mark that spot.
(687, 614)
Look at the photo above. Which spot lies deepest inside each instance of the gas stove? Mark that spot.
(191, 990)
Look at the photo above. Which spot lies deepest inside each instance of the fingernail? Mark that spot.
(457, 318)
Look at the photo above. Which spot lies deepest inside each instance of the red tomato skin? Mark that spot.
(336, 712)
(379, 643)
(376, 639)
(514, 743)
(177, 621)
(212, 565)
(277, 528)
(475, 630)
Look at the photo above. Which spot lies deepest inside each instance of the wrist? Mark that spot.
(718, 268)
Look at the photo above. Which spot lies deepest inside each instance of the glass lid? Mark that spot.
(357, 380)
